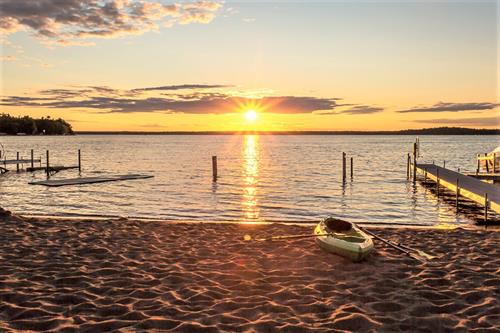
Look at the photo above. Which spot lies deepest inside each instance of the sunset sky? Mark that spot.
(203, 65)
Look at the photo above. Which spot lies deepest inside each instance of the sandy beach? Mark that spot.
(128, 276)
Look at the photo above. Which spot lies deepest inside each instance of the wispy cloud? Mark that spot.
(8, 58)
(68, 22)
(355, 110)
(485, 121)
(183, 87)
(191, 98)
(453, 107)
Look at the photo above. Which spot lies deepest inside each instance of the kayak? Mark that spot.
(344, 238)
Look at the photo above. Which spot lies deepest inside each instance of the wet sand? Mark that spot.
(94, 276)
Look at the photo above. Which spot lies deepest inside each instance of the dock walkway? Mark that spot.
(88, 180)
(469, 187)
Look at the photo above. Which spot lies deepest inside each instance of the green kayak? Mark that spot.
(344, 238)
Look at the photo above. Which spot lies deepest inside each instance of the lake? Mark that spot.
(292, 178)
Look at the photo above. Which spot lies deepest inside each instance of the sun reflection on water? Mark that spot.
(250, 177)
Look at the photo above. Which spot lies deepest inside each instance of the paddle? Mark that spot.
(420, 252)
(408, 253)
(249, 238)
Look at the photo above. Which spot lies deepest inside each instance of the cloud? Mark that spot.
(183, 87)
(197, 100)
(453, 107)
(485, 121)
(66, 22)
(8, 58)
(355, 110)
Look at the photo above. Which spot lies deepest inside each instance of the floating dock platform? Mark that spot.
(484, 194)
(88, 180)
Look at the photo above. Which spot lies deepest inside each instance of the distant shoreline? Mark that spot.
(424, 131)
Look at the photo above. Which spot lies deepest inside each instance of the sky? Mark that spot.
(125, 65)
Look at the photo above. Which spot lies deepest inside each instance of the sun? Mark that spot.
(250, 115)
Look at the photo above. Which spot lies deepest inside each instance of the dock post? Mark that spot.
(79, 161)
(494, 163)
(47, 164)
(485, 207)
(444, 164)
(478, 164)
(17, 164)
(414, 162)
(352, 165)
(437, 182)
(408, 160)
(214, 168)
(343, 168)
(32, 159)
(458, 194)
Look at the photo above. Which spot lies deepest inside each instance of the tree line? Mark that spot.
(34, 126)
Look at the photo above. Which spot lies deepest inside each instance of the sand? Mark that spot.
(128, 276)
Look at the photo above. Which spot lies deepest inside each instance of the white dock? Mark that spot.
(88, 180)
(484, 194)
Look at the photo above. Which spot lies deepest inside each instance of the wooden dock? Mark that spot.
(484, 194)
(88, 180)
(52, 169)
(19, 161)
(488, 177)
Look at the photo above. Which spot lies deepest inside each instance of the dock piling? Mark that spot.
(214, 168)
(414, 162)
(79, 161)
(485, 207)
(494, 163)
(352, 168)
(343, 167)
(408, 161)
(437, 182)
(47, 168)
(32, 158)
(17, 164)
(444, 164)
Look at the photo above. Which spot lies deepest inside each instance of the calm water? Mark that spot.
(262, 178)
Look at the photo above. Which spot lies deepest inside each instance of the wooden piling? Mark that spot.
(214, 168)
(444, 164)
(32, 158)
(437, 182)
(352, 168)
(494, 163)
(79, 161)
(408, 161)
(17, 164)
(343, 167)
(485, 207)
(415, 162)
(47, 164)
(478, 164)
